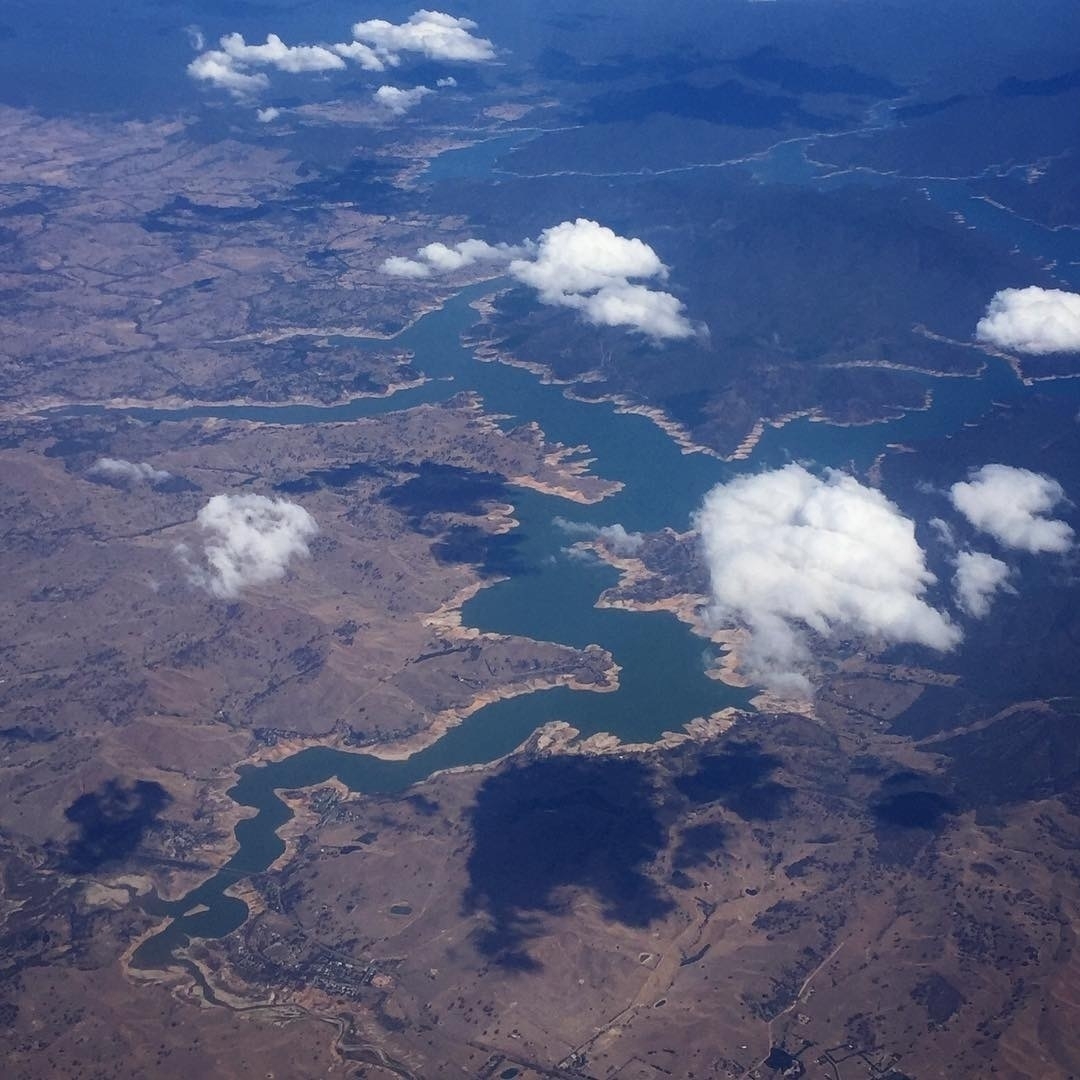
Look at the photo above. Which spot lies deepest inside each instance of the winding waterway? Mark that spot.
(662, 683)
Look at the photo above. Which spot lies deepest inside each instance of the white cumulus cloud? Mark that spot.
(944, 532)
(978, 578)
(1032, 320)
(466, 253)
(577, 264)
(1011, 505)
(267, 116)
(220, 70)
(446, 258)
(275, 53)
(376, 45)
(250, 540)
(398, 102)
(400, 266)
(136, 472)
(581, 256)
(432, 33)
(362, 55)
(587, 266)
(790, 552)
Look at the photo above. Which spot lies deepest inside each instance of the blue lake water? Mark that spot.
(663, 681)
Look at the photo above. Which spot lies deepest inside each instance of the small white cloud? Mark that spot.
(359, 54)
(250, 541)
(275, 53)
(432, 33)
(1032, 320)
(442, 257)
(398, 102)
(135, 472)
(978, 578)
(789, 553)
(1011, 504)
(944, 531)
(399, 266)
(195, 37)
(446, 258)
(449, 81)
(230, 66)
(220, 70)
(268, 115)
(616, 538)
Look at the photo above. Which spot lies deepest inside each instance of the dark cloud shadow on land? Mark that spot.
(585, 823)
(699, 844)
(439, 489)
(739, 778)
(112, 822)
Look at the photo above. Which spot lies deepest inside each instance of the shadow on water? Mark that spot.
(497, 555)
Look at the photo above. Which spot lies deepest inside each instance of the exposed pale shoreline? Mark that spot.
(489, 353)
(753, 436)
(674, 431)
(173, 402)
(442, 722)
(560, 737)
(556, 459)
(289, 834)
(286, 333)
(446, 621)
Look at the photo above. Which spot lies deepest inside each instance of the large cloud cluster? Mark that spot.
(376, 46)
(577, 264)
(250, 541)
(789, 552)
(1011, 504)
(1032, 320)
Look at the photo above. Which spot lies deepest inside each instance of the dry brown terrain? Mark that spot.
(811, 887)
(119, 665)
(769, 889)
(144, 265)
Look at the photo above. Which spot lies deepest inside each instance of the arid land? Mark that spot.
(835, 884)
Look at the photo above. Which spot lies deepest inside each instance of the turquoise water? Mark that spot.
(663, 682)
(477, 160)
